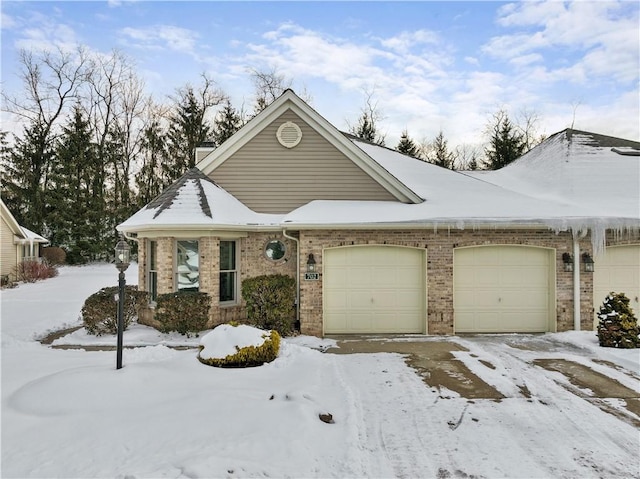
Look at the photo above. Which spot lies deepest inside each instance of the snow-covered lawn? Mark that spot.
(71, 414)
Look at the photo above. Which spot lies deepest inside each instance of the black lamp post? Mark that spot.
(122, 263)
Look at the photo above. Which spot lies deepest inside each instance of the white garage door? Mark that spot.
(374, 289)
(500, 289)
(617, 269)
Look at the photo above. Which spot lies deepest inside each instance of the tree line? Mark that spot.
(95, 147)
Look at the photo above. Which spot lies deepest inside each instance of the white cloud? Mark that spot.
(406, 40)
(159, 37)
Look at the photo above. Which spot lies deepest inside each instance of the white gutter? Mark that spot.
(297, 241)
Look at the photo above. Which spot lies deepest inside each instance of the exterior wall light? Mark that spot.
(311, 264)
(567, 261)
(587, 260)
(122, 251)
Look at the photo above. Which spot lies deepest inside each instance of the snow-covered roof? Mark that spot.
(196, 201)
(599, 173)
(31, 237)
(574, 180)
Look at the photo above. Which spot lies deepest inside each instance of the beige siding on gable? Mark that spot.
(269, 178)
(8, 250)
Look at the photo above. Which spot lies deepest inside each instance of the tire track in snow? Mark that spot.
(379, 425)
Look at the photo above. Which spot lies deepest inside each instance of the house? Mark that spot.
(380, 242)
(17, 243)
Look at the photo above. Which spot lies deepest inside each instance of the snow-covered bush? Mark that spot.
(241, 346)
(618, 327)
(100, 310)
(186, 312)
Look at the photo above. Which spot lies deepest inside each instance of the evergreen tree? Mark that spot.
(226, 123)
(618, 326)
(188, 128)
(440, 154)
(75, 216)
(367, 126)
(407, 146)
(506, 142)
(24, 176)
(151, 179)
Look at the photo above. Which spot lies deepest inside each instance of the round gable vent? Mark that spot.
(289, 134)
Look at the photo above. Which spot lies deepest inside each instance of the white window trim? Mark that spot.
(148, 269)
(236, 286)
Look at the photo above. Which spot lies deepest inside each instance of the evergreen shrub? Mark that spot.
(249, 356)
(54, 255)
(270, 301)
(183, 311)
(32, 271)
(100, 310)
(618, 327)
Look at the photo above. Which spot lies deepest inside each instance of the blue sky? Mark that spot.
(429, 65)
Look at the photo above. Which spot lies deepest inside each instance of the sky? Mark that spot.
(428, 66)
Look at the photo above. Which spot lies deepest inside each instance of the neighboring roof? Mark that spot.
(599, 173)
(22, 234)
(290, 101)
(31, 237)
(196, 201)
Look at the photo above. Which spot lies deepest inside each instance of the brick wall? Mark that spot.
(440, 246)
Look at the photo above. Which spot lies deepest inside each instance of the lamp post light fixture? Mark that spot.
(567, 261)
(122, 263)
(587, 260)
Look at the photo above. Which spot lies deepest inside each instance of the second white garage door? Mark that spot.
(374, 289)
(617, 269)
(500, 289)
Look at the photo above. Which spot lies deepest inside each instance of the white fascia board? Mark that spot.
(11, 221)
(289, 100)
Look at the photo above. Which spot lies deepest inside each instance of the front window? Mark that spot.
(152, 269)
(187, 266)
(228, 272)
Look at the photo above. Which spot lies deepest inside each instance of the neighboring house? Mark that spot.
(17, 243)
(383, 243)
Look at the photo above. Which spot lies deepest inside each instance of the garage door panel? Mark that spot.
(502, 289)
(617, 269)
(381, 290)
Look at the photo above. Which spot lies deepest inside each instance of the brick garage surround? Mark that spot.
(440, 245)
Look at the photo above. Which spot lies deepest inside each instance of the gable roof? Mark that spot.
(290, 101)
(196, 201)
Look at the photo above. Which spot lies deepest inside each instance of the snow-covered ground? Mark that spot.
(71, 414)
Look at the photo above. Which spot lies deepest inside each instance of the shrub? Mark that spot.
(100, 310)
(54, 255)
(249, 356)
(31, 271)
(183, 311)
(271, 302)
(618, 327)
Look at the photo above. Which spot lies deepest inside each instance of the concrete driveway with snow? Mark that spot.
(552, 405)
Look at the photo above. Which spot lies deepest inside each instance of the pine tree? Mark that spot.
(188, 128)
(226, 123)
(75, 216)
(440, 154)
(506, 142)
(367, 126)
(151, 180)
(24, 176)
(407, 146)
(618, 327)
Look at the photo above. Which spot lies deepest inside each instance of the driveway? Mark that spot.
(473, 366)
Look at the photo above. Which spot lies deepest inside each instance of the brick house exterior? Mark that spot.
(290, 177)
